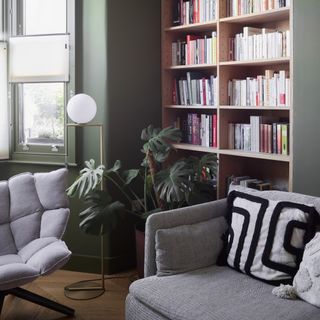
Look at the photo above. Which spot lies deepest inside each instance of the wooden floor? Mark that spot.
(109, 306)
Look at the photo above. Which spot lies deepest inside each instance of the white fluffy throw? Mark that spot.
(306, 283)
(285, 292)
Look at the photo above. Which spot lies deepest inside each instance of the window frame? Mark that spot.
(35, 153)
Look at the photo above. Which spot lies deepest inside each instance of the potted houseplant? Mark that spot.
(152, 187)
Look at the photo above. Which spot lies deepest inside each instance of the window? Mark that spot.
(41, 49)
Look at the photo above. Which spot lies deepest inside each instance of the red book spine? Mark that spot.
(188, 49)
(279, 139)
(265, 138)
(214, 131)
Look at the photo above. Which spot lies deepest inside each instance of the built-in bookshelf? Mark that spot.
(243, 95)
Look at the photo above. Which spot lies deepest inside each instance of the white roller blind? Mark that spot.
(39, 58)
(4, 119)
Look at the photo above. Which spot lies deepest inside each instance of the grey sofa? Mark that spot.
(210, 293)
(33, 217)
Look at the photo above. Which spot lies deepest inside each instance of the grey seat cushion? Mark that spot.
(209, 293)
(16, 274)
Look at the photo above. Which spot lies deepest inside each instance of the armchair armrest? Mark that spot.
(175, 218)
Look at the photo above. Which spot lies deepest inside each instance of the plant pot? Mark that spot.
(140, 237)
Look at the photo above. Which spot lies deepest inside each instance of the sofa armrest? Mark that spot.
(175, 218)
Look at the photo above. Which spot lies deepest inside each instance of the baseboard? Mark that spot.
(92, 264)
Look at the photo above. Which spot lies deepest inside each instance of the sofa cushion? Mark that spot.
(267, 238)
(217, 293)
(189, 247)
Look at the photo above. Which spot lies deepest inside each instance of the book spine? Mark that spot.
(279, 139)
(284, 137)
(215, 131)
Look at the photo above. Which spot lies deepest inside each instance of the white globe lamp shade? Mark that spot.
(81, 108)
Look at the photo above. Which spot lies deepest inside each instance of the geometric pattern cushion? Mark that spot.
(266, 238)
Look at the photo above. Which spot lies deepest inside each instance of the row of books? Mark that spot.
(272, 89)
(259, 137)
(195, 50)
(248, 182)
(259, 43)
(199, 129)
(194, 89)
(193, 11)
(239, 7)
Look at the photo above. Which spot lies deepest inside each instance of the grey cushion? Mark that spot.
(174, 218)
(217, 293)
(50, 258)
(56, 229)
(10, 258)
(24, 199)
(14, 275)
(189, 247)
(34, 246)
(51, 188)
(135, 310)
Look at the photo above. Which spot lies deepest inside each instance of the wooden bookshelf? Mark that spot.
(276, 168)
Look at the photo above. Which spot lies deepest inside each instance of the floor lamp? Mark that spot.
(82, 109)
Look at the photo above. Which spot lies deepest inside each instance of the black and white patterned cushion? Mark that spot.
(266, 238)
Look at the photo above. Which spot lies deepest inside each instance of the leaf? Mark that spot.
(90, 177)
(159, 141)
(173, 183)
(116, 167)
(201, 192)
(102, 214)
(130, 175)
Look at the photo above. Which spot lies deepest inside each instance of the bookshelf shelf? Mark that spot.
(176, 84)
(195, 27)
(273, 108)
(266, 16)
(192, 67)
(262, 62)
(192, 147)
(255, 155)
(190, 107)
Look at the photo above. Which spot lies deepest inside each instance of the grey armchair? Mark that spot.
(33, 217)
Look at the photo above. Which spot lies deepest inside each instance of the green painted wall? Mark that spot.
(118, 64)
(306, 97)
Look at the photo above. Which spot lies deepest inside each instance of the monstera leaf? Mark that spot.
(173, 182)
(102, 214)
(90, 177)
(129, 175)
(115, 168)
(159, 141)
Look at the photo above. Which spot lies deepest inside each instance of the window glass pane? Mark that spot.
(42, 113)
(45, 16)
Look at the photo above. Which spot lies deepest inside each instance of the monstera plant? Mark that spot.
(158, 184)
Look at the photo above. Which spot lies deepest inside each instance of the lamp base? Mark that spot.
(83, 290)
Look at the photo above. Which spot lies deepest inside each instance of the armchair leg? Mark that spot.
(2, 296)
(32, 297)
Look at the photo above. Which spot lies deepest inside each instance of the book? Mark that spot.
(284, 138)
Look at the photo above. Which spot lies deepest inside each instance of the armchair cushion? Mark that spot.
(189, 247)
